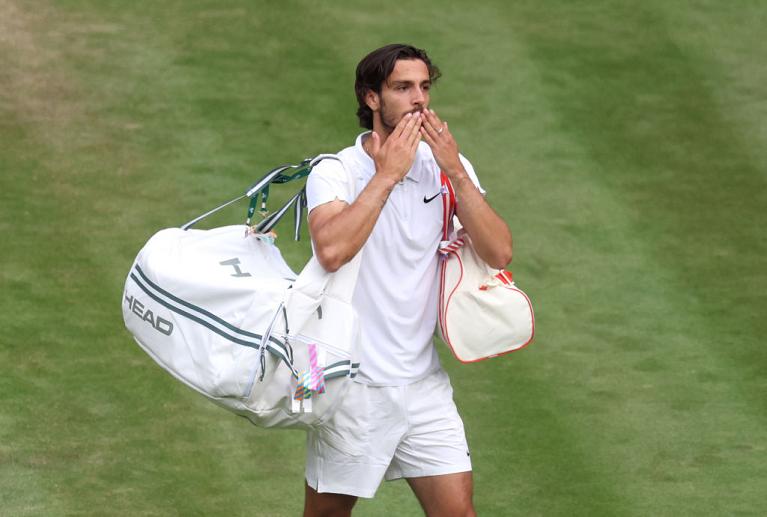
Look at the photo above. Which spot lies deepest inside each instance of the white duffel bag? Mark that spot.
(482, 313)
(222, 312)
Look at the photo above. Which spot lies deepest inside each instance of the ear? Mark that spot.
(373, 100)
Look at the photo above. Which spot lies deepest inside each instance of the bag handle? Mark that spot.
(343, 282)
(298, 201)
(275, 175)
(448, 208)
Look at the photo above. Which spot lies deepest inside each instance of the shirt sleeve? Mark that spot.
(472, 174)
(327, 182)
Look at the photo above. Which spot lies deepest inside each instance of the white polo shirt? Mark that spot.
(397, 288)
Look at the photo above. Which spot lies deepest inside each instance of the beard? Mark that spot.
(390, 119)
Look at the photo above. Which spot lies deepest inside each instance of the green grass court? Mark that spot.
(624, 142)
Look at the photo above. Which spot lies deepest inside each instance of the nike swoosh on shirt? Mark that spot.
(425, 200)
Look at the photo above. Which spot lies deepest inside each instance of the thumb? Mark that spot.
(375, 143)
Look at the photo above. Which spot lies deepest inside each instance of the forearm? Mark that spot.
(489, 234)
(339, 230)
(338, 236)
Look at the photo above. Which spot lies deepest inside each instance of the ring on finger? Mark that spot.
(440, 130)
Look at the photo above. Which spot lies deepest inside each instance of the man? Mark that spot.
(399, 419)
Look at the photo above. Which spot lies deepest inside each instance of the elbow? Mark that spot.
(330, 260)
(501, 257)
(496, 254)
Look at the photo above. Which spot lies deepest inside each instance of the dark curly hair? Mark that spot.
(374, 68)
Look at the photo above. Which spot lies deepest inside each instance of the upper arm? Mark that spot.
(329, 191)
(321, 215)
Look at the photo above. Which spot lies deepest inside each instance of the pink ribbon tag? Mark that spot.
(312, 380)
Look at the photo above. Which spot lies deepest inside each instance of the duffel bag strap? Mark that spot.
(314, 282)
(448, 205)
(448, 212)
(276, 175)
(446, 247)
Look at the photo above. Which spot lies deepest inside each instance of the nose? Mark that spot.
(419, 97)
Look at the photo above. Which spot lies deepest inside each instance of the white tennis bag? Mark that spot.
(222, 312)
(482, 313)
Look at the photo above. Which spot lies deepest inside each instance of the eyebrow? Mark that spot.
(407, 83)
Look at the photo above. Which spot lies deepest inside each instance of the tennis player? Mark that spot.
(398, 419)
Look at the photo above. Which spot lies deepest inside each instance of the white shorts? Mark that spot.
(388, 432)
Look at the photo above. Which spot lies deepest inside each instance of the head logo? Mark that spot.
(235, 263)
(158, 323)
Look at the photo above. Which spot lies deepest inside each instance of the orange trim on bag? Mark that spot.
(505, 277)
(443, 323)
(448, 203)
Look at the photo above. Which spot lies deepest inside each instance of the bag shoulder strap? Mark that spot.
(342, 283)
(448, 206)
(314, 282)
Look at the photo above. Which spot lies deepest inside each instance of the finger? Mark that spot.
(434, 119)
(427, 136)
(413, 143)
(431, 128)
(415, 130)
(424, 134)
(407, 128)
(413, 122)
(375, 143)
(402, 124)
(436, 123)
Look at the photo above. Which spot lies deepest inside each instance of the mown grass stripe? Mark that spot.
(570, 113)
(600, 120)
